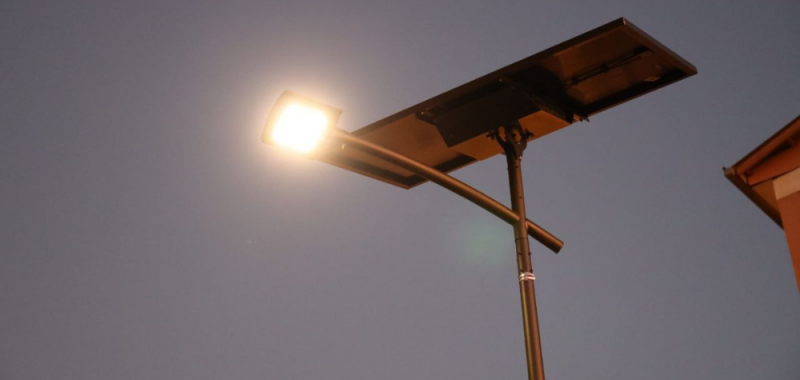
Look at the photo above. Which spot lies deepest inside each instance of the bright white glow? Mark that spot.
(300, 128)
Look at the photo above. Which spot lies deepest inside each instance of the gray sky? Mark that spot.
(146, 233)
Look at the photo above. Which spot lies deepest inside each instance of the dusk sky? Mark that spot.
(147, 233)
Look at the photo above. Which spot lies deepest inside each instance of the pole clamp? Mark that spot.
(526, 276)
(513, 139)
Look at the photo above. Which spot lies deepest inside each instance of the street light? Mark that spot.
(500, 112)
(302, 125)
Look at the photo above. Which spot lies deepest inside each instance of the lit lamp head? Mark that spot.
(299, 123)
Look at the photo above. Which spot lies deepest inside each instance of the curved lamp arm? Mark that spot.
(465, 191)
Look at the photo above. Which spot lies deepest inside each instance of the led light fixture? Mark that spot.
(299, 123)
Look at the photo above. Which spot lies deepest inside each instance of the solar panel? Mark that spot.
(545, 92)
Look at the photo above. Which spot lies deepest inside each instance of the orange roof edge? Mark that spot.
(740, 184)
(763, 151)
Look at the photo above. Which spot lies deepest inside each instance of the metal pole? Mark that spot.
(513, 143)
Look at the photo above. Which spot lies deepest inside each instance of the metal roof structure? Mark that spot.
(770, 177)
